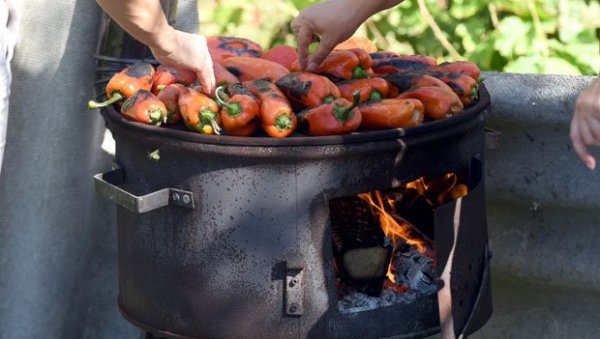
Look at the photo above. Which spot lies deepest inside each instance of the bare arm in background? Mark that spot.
(585, 125)
(146, 22)
(333, 21)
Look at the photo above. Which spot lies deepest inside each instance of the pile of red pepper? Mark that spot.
(264, 92)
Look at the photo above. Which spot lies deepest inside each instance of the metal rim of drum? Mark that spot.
(482, 103)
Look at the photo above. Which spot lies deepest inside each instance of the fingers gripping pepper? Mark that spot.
(338, 117)
(126, 83)
(145, 107)
(254, 68)
(345, 65)
(369, 89)
(438, 102)
(276, 116)
(170, 97)
(391, 113)
(167, 75)
(199, 112)
(308, 90)
(238, 113)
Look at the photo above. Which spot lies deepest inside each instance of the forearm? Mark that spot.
(144, 20)
(362, 9)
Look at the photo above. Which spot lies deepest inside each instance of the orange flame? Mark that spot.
(392, 228)
(437, 192)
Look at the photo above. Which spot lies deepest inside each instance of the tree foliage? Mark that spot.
(523, 36)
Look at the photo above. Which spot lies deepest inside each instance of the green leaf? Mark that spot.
(514, 37)
(541, 64)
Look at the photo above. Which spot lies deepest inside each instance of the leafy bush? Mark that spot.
(523, 36)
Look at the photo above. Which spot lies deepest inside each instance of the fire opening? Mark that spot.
(383, 242)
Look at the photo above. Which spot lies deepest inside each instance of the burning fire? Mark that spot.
(436, 191)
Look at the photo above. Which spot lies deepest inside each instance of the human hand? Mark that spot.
(189, 51)
(332, 22)
(585, 125)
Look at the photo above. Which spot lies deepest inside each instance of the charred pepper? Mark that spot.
(369, 89)
(348, 64)
(125, 83)
(438, 102)
(145, 107)
(284, 55)
(391, 113)
(170, 97)
(223, 47)
(238, 113)
(254, 68)
(308, 90)
(338, 117)
(167, 75)
(276, 116)
(199, 112)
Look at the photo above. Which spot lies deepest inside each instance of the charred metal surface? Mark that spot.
(219, 271)
(469, 283)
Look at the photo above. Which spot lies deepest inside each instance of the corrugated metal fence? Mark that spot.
(543, 212)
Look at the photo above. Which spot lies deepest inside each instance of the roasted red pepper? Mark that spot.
(338, 117)
(238, 113)
(346, 64)
(391, 113)
(254, 68)
(308, 90)
(199, 112)
(383, 55)
(464, 67)
(124, 84)
(166, 75)
(284, 55)
(276, 116)
(406, 81)
(403, 63)
(170, 97)
(463, 85)
(145, 107)
(222, 75)
(438, 102)
(223, 47)
(369, 89)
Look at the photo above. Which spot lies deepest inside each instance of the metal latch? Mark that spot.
(294, 292)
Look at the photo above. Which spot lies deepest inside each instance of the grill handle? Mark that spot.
(106, 184)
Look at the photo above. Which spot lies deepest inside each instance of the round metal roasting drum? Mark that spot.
(229, 237)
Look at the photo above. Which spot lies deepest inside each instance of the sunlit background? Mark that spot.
(522, 36)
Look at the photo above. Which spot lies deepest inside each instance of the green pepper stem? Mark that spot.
(161, 87)
(215, 126)
(375, 95)
(344, 113)
(283, 122)
(117, 96)
(233, 109)
(157, 117)
(359, 73)
(208, 117)
(474, 93)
